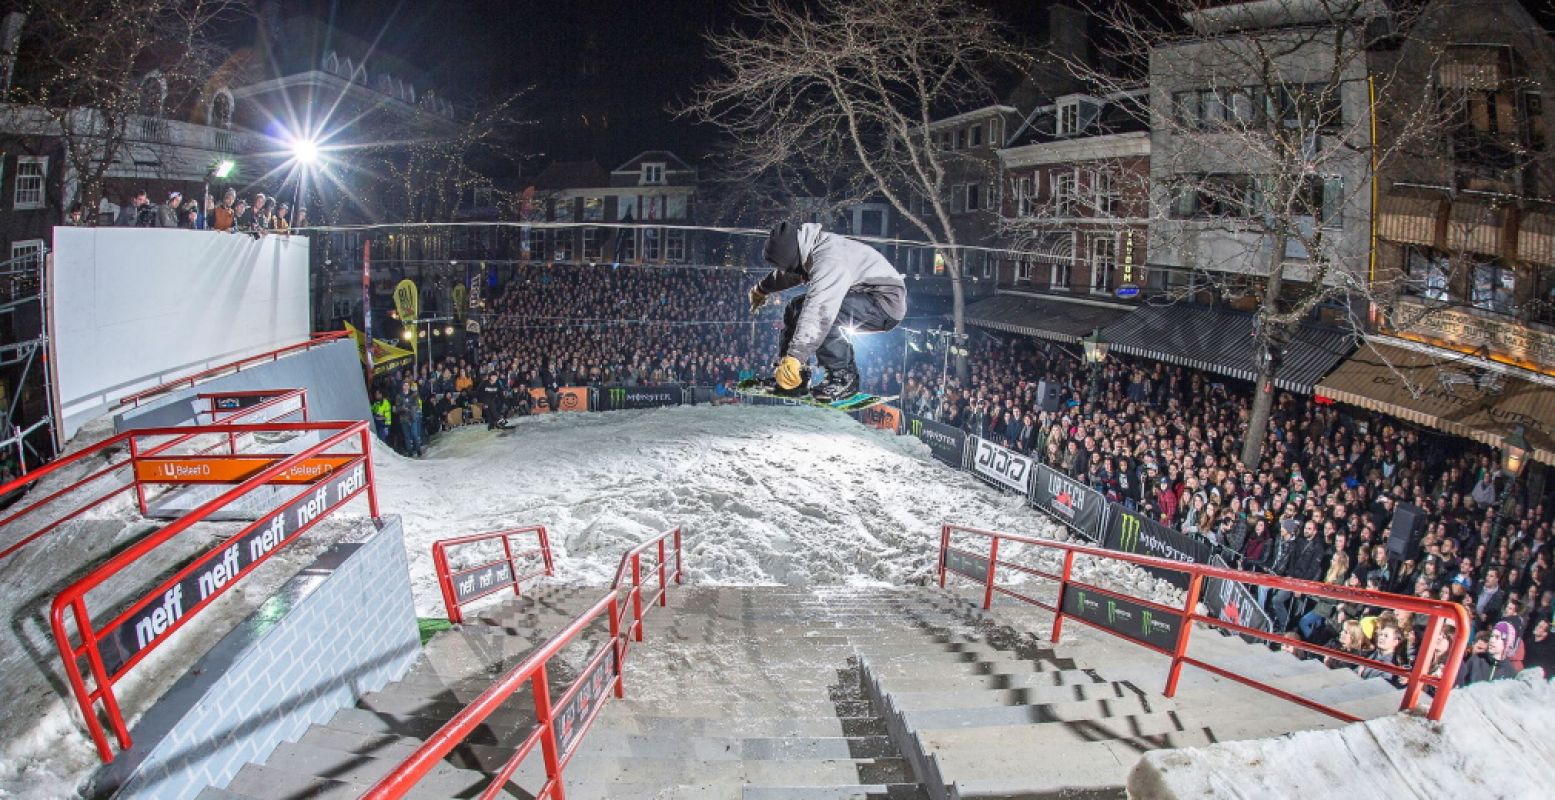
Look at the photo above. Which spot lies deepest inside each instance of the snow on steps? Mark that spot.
(779, 693)
(1496, 740)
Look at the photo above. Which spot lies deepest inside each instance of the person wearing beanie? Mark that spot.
(1497, 659)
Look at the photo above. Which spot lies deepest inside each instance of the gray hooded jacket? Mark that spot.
(833, 266)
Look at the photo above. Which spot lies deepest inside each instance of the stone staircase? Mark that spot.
(824, 693)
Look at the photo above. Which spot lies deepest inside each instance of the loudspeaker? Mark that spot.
(1049, 395)
(1405, 532)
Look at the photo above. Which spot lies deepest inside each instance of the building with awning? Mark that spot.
(1221, 340)
(1447, 392)
(1043, 317)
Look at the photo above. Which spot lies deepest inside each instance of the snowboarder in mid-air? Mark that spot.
(852, 290)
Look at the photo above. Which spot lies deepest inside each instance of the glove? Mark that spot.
(787, 373)
(758, 299)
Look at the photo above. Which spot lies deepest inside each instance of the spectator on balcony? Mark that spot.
(137, 213)
(73, 218)
(301, 221)
(167, 213)
(225, 216)
(189, 215)
(263, 213)
(281, 222)
(244, 215)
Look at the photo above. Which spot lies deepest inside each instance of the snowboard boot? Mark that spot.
(840, 383)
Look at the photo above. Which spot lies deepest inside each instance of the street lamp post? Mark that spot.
(1095, 357)
(1514, 456)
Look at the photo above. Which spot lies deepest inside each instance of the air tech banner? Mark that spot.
(407, 303)
(233, 469)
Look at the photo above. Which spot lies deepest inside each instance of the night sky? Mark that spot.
(604, 72)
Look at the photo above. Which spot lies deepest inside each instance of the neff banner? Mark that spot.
(219, 569)
(1128, 532)
(1126, 618)
(1076, 504)
(617, 398)
(593, 687)
(1002, 465)
(482, 581)
(946, 442)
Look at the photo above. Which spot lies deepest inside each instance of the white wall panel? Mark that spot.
(134, 307)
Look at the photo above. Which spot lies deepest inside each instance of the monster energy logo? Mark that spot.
(1128, 533)
(617, 398)
(916, 426)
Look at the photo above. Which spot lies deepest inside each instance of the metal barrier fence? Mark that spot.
(111, 649)
(317, 339)
(1167, 630)
(560, 727)
(131, 446)
(472, 582)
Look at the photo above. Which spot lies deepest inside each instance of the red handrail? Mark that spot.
(268, 535)
(130, 442)
(454, 596)
(1436, 611)
(576, 709)
(232, 366)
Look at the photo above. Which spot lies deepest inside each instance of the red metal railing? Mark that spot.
(132, 445)
(232, 366)
(114, 647)
(1173, 629)
(470, 583)
(559, 727)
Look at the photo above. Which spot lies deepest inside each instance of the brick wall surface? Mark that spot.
(343, 627)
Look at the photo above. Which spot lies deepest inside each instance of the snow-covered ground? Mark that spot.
(764, 495)
(1496, 740)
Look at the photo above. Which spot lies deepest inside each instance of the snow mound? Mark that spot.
(1496, 740)
(764, 495)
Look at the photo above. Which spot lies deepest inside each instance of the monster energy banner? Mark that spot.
(1127, 618)
(946, 442)
(616, 398)
(1002, 466)
(1128, 532)
(1075, 504)
(1232, 602)
(974, 567)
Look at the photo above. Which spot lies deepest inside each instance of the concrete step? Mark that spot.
(746, 727)
(1150, 730)
(500, 731)
(366, 770)
(908, 681)
(727, 772)
(900, 791)
(1077, 711)
(268, 783)
(600, 741)
(1030, 695)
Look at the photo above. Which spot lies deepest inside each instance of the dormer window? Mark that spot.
(1068, 118)
(653, 173)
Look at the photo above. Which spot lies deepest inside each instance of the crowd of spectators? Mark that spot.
(1160, 439)
(231, 214)
(1166, 440)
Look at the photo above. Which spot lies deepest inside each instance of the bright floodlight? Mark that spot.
(224, 168)
(306, 151)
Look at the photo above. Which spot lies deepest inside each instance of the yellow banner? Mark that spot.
(386, 355)
(407, 302)
(461, 302)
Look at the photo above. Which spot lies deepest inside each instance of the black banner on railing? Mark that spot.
(963, 563)
(1001, 465)
(1077, 505)
(1129, 532)
(617, 398)
(571, 718)
(946, 442)
(1232, 602)
(1126, 618)
(219, 569)
(481, 581)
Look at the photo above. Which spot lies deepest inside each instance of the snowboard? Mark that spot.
(856, 402)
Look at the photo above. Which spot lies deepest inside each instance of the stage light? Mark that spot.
(223, 168)
(448, 330)
(305, 151)
(408, 336)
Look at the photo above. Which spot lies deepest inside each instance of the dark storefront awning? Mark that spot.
(1447, 393)
(1058, 320)
(1221, 340)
